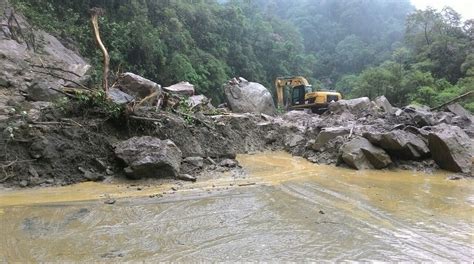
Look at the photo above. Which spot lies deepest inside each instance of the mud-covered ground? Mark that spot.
(64, 147)
(280, 208)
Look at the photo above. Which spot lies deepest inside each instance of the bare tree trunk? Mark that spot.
(454, 100)
(95, 13)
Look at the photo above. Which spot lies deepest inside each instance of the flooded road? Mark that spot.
(285, 209)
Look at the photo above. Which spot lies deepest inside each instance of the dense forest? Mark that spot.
(359, 47)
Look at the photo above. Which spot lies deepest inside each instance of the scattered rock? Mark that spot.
(327, 134)
(110, 201)
(136, 86)
(119, 97)
(360, 154)
(182, 88)
(4, 83)
(197, 162)
(458, 110)
(354, 106)
(451, 148)
(93, 176)
(454, 177)
(418, 115)
(149, 157)
(199, 102)
(248, 97)
(33, 172)
(186, 177)
(292, 141)
(23, 183)
(229, 163)
(382, 103)
(402, 144)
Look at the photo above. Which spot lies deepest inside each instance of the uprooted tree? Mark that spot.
(95, 13)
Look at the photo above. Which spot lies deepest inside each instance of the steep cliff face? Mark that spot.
(33, 61)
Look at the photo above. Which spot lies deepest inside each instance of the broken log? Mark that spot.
(453, 100)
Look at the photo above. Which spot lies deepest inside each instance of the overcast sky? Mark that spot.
(464, 7)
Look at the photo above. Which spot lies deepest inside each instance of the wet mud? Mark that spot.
(281, 208)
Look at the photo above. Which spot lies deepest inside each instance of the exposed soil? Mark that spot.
(61, 149)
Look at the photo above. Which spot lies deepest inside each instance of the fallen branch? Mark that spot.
(11, 163)
(72, 121)
(352, 130)
(453, 100)
(6, 177)
(247, 184)
(148, 98)
(142, 118)
(64, 93)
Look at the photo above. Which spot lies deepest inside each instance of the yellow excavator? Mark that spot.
(302, 96)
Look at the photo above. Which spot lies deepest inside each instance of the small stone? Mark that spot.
(186, 177)
(110, 201)
(229, 163)
(23, 183)
(194, 161)
(92, 176)
(33, 172)
(454, 177)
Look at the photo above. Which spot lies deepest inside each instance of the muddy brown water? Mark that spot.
(285, 209)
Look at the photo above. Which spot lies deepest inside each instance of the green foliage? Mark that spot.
(362, 48)
(185, 110)
(208, 42)
(90, 103)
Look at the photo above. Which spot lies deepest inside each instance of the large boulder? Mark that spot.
(451, 148)
(360, 154)
(399, 143)
(355, 106)
(39, 61)
(149, 157)
(382, 103)
(41, 91)
(458, 110)
(182, 88)
(248, 97)
(417, 115)
(136, 86)
(328, 134)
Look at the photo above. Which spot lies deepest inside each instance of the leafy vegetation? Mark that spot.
(361, 48)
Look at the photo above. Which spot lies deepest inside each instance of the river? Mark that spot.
(283, 208)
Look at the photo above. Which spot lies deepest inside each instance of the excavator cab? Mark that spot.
(298, 94)
(302, 96)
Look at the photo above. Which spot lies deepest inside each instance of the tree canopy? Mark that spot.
(360, 47)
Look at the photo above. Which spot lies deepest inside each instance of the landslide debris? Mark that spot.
(144, 130)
